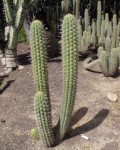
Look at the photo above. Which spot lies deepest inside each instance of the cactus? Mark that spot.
(70, 60)
(43, 118)
(104, 63)
(109, 61)
(108, 45)
(100, 49)
(14, 14)
(77, 8)
(42, 99)
(86, 16)
(3, 85)
(99, 19)
(113, 62)
(34, 133)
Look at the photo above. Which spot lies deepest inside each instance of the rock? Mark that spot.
(20, 67)
(112, 97)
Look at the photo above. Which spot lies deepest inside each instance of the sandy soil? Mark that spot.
(94, 115)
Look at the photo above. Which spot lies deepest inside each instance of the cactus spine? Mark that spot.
(70, 60)
(42, 100)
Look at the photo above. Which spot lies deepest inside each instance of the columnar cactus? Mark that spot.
(109, 61)
(99, 19)
(42, 99)
(14, 14)
(113, 62)
(70, 59)
(104, 63)
(86, 17)
(43, 118)
(77, 8)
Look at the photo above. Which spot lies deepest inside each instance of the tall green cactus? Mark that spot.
(39, 62)
(70, 60)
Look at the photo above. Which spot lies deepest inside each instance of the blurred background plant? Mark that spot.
(51, 13)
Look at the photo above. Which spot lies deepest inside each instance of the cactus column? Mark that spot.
(42, 100)
(70, 59)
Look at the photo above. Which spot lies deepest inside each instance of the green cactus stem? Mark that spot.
(39, 63)
(43, 118)
(113, 62)
(70, 60)
(104, 63)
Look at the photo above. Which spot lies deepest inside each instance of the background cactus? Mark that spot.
(15, 12)
(109, 61)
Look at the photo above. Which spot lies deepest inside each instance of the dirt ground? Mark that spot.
(94, 115)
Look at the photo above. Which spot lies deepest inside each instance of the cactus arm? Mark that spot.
(70, 61)
(8, 11)
(88, 63)
(19, 18)
(43, 118)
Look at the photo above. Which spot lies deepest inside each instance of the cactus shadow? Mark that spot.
(78, 115)
(117, 74)
(90, 125)
(24, 59)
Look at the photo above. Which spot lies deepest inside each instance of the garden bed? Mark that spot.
(94, 115)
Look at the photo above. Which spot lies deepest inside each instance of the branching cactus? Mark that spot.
(14, 14)
(42, 99)
(70, 60)
(108, 60)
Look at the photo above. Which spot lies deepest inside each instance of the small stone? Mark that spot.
(20, 67)
(84, 137)
(112, 97)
